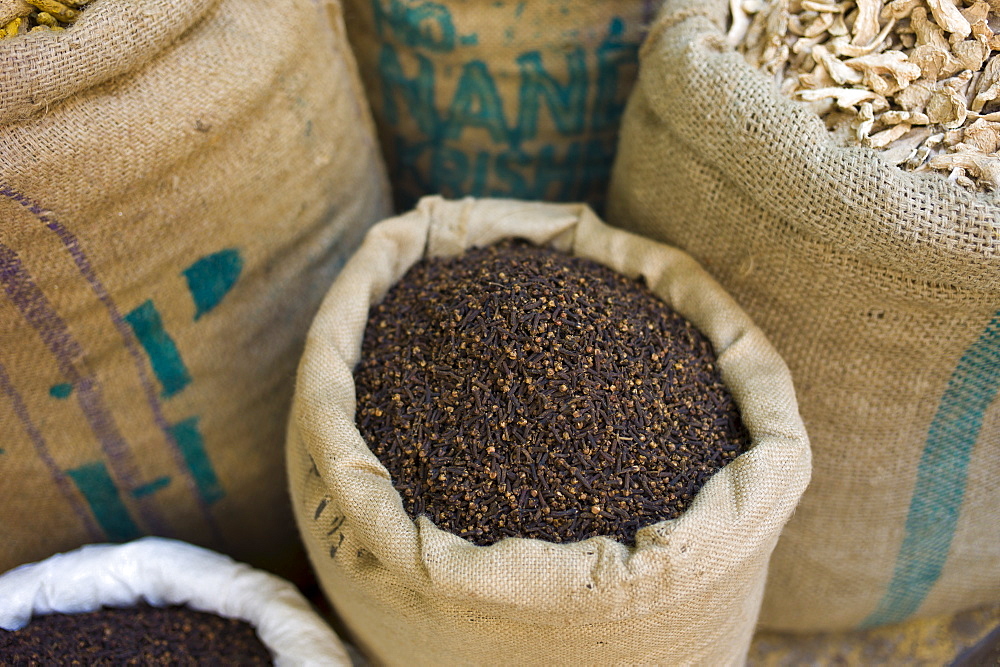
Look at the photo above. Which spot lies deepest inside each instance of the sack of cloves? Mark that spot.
(877, 279)
(178, 186)
(496, 458)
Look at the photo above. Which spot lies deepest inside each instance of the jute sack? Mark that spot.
(688, 593)
(498, 98)
(880, 289)
(178, 187)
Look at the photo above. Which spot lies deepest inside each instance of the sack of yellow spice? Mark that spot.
(498, 98)
(179, 181)
(687, 592)
(18, 17)
(881, 290)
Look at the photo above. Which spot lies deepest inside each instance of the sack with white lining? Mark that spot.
(162, 572)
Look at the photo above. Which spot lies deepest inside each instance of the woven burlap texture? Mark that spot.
(881, 291)
(178, 187)
(688, 593)
(498, 98)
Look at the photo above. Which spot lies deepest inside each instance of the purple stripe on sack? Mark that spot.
(36, 309)
(649, 8)
(72, 245)
(94, 533)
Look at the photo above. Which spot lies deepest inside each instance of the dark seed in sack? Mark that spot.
(516, 391)
(140, 635)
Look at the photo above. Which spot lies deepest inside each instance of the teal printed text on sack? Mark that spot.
(580, 94)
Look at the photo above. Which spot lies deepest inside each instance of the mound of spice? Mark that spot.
(917, 79)
(140, 635)
(516, 391)
(18, 17)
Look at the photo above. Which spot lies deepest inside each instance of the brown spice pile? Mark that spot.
(140, 635)
(18, 17)
(517, 391)
(917, 79)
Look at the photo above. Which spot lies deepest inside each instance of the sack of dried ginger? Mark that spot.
(917, 80)
(879, 286)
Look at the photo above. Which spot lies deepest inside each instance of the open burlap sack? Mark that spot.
(179, 183)
(881, 290)
(688, 593)
(498, 98)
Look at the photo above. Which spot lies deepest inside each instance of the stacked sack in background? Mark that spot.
(881, 290)
(505, 98)
(177, 189)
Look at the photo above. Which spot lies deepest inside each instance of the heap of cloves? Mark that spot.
(517, 391)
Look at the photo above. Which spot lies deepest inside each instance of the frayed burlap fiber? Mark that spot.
(879, 288)
(688, 593)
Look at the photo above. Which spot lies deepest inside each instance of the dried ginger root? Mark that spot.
(917, 79)
(18, 17)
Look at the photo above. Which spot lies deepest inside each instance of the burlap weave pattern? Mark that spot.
(881, 291)
(177, 188)
(413, 594)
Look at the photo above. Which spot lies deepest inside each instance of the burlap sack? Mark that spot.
(411, 593)
(881, 290)
(498, 98)
(179, 183)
